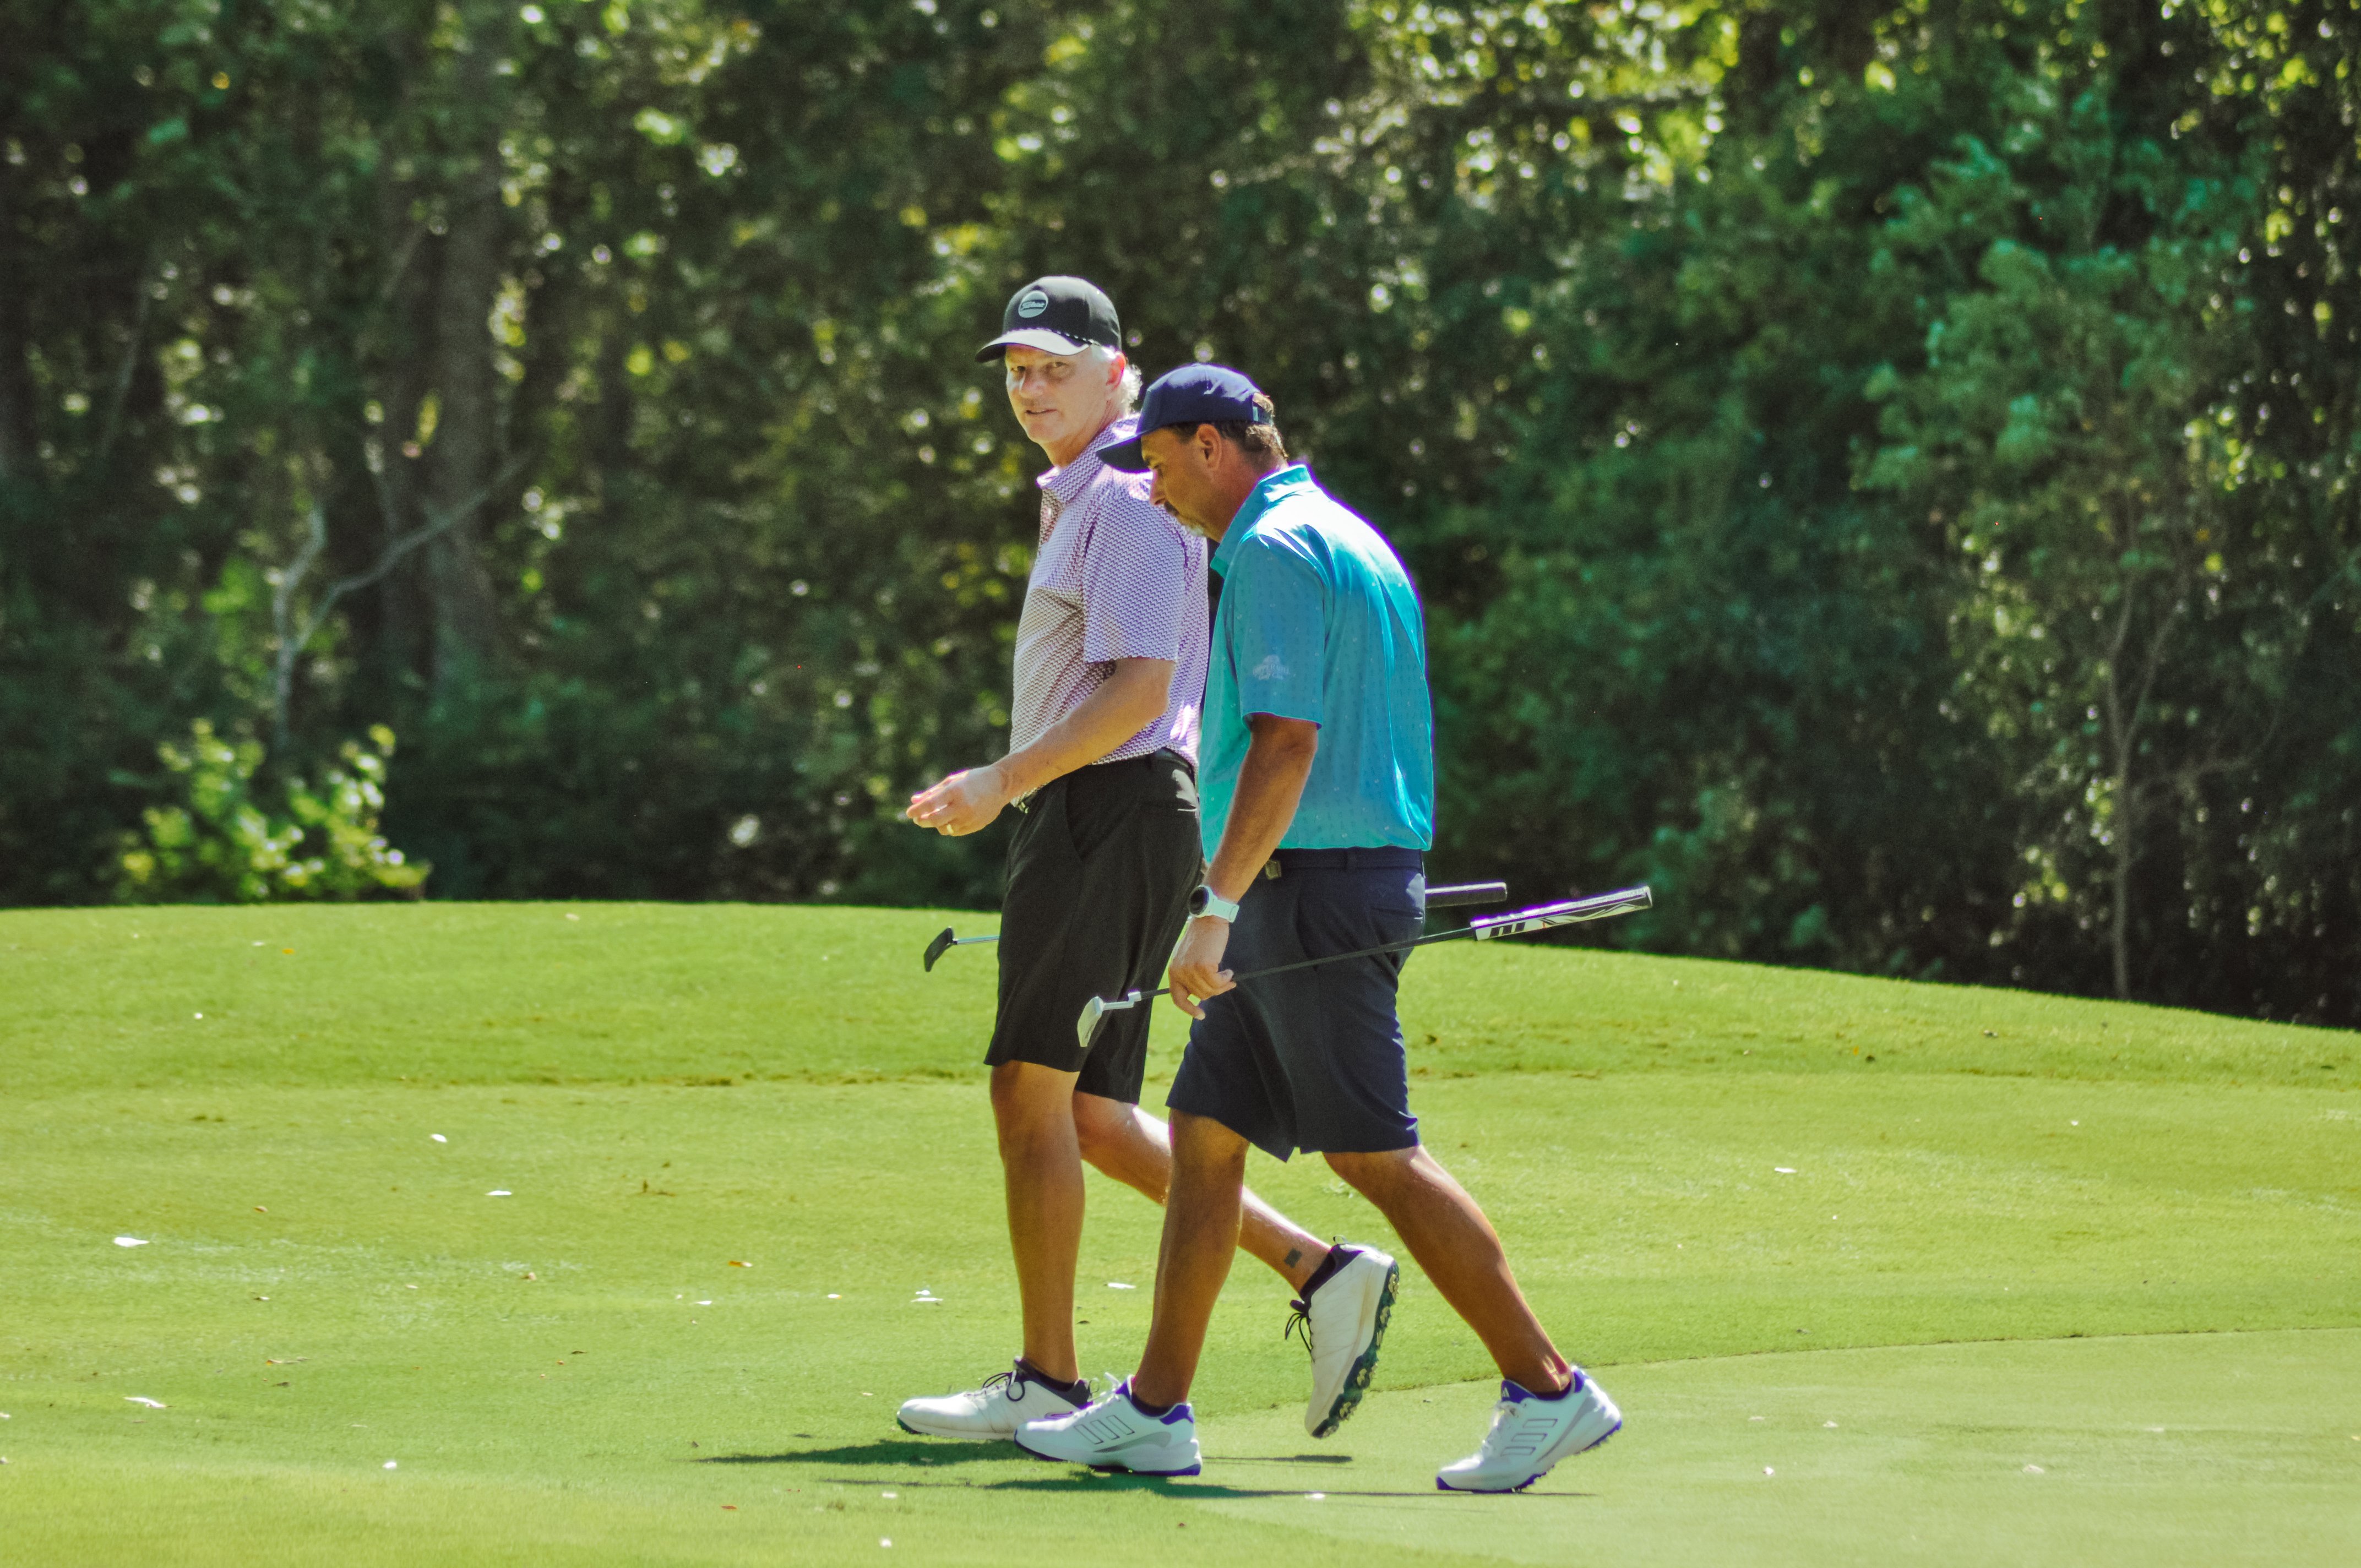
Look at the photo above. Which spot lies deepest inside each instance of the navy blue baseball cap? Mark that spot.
(1192, 395)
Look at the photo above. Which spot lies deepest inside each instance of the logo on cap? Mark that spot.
(1032, 304)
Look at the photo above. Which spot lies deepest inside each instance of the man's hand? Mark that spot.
(962, 804)
(1197, 972)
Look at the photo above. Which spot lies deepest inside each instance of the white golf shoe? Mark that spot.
(1115, 1434)
(1006, 1402)
(1530, 1435)
(1344, 1323)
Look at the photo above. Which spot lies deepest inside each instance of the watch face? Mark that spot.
(1197, 897)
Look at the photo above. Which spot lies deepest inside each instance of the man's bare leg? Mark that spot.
(1135, 1149)
(1200, 1236)
(1452, 1240)
(1041, 1166)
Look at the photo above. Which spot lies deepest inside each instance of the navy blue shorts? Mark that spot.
(1313, 1060)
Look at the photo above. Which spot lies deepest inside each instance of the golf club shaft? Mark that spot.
(1436, 898)
(1599, 907)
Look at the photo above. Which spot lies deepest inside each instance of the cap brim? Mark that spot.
(1039, 337)
(1124, 456)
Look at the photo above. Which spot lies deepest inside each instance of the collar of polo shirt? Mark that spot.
(1268, 491)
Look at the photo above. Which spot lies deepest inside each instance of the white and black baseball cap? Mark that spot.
(1056, 315)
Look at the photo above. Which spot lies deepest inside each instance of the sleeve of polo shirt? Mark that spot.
(1135, 578)
(1277, 610)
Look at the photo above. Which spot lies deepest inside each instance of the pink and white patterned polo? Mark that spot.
(1116, 578)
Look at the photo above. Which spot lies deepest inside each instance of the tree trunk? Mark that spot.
(2120, 938)
(2120, 726)
(18, 438)
(405, 651)
(1754, 81)
(465, 456)
(2123, 709)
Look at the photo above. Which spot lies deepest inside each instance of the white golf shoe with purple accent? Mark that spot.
(1343, 1325)
(1115, 1434)
(1530, 1435)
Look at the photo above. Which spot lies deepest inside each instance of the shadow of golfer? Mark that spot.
(903, 1456)
(1181, 1489)
(894, 1451)
(899, 1451)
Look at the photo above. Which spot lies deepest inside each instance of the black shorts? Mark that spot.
(1313, 1060)
(1099, 876)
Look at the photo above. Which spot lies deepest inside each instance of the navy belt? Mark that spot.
(1382, 858)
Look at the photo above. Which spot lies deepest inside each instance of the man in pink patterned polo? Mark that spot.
(1110, 671)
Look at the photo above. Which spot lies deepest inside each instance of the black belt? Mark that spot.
(1162, 757)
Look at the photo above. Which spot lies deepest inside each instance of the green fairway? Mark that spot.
(1983, 1231)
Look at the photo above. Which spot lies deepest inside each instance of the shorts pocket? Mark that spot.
(1390, 922)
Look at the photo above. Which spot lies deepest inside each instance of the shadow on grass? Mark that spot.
(1188, 1489)
(898, 1452)
(894, 1451)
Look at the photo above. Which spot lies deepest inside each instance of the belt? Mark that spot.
(1165, 756)
(1380, 857)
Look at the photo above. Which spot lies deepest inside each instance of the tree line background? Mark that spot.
(1886, 474)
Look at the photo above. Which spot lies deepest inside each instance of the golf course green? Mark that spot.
(612, 1234)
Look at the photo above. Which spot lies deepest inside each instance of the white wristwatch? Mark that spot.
(1205, 901)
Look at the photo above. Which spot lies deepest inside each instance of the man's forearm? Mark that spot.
(1270, 785)
(1134, 692)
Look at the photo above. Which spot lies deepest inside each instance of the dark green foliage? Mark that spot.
(1884, 475)
(1955, 582)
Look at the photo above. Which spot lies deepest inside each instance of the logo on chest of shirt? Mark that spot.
(1271, 669)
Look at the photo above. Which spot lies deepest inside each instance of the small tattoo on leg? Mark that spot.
(1294, 1255)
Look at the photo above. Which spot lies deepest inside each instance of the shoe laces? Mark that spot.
(1299, 1324)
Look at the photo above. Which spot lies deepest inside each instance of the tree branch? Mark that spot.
(120, 392)
(438, 522)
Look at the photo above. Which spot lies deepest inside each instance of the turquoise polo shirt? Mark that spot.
(1318, 622)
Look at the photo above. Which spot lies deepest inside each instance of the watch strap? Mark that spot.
(1205, 901)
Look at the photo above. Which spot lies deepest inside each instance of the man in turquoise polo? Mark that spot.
(1317, 798)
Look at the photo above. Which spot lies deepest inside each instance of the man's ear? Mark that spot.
(1209, 446)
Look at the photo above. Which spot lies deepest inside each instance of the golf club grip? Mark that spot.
(1467, 892)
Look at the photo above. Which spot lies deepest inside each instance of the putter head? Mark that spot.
(1094, 1011)
(937, 947)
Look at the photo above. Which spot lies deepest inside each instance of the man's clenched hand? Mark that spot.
(962, 804)
(1197, 972)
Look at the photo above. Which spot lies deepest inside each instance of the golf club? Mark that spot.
(1466, 893)
(945, 942)
(1597, 906)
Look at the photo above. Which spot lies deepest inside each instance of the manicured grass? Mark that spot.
(577, 1373)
